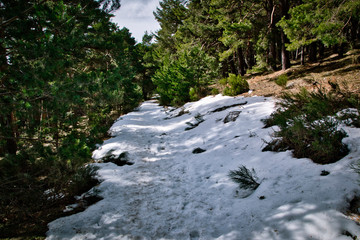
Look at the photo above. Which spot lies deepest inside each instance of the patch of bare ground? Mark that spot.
(343, 71)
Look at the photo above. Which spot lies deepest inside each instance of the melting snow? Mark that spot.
(171, 193)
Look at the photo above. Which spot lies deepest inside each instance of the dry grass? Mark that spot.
(345, 72)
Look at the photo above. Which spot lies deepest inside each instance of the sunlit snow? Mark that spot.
(171, 193)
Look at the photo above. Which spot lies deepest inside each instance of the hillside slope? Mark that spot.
(344, 71)
(174, 192)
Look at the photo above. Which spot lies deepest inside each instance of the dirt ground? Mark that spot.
(345, 72)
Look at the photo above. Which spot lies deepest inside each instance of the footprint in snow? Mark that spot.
(194, 235)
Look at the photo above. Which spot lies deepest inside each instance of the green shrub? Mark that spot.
(193, 93)
(351, 117)
(83, 180)
(34, 189)
(215, 91)
(184, 76)
(306, 127)
(320, 140)
(282, 80)
(223, 81)
(312, 105)
(246, 178)
(235, 85)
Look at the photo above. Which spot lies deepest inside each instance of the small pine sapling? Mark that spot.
(282, 80)
(246, 178)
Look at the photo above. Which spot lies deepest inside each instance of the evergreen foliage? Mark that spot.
(308, 125)
(235, 85)
(146, 65)
(66, 73)
(183, 76)
(246, 178)
(321, 141)
(282, 80)
(318, 20)
(245, 36)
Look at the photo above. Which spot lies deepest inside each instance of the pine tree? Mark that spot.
(66, 72)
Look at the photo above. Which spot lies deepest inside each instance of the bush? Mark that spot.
(184, 76)
(34, 190)
(311, 105)
(215, 91)
(306, 126)
(194, 94)
(351, 117)
(246, 178)
(83, 180)
(319, 140)
(235, 85)
(282, 80)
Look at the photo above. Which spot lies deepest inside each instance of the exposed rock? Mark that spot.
(226, 107)
(174, 113)
(232, 116)
(324, 173)
(198, 150)
(198, 119)
(121, 160)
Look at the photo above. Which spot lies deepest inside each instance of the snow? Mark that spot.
(171, 193)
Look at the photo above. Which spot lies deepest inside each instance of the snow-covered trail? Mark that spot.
(171, 193)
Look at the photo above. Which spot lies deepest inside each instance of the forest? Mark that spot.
(67, 73)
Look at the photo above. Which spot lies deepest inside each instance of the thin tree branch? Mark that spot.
(27, 139)
(7, 22)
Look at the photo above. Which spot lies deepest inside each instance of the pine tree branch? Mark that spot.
(11, 20)
(27, 139)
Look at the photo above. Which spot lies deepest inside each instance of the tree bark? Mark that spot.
(7, 123)
(225, 68)
(302, 58)
(7, 116)
(240, 61)
(250, 55)
(354, 31)
(232, 65)
(285, 58)
(271, 57)
(341, 50)
(313, 52)
(321, 50)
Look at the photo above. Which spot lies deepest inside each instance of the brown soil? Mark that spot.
(345, 72)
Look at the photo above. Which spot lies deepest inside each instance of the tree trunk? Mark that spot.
(341, 50)
(7, 116)
(225, 69)
(240, 61)
(56, 136)
(354, 31)
(321, 50)
(313, 52)
(285, 59)
(271, 57)
(9, 133)
(302, 59)
(250, 55)
(232, 65)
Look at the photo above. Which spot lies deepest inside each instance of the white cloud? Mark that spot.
(137, 16)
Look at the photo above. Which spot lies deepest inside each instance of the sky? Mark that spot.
(137, 16)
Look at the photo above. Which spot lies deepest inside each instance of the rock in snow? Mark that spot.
(171, 193)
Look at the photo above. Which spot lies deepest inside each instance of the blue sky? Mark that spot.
(137, 16)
